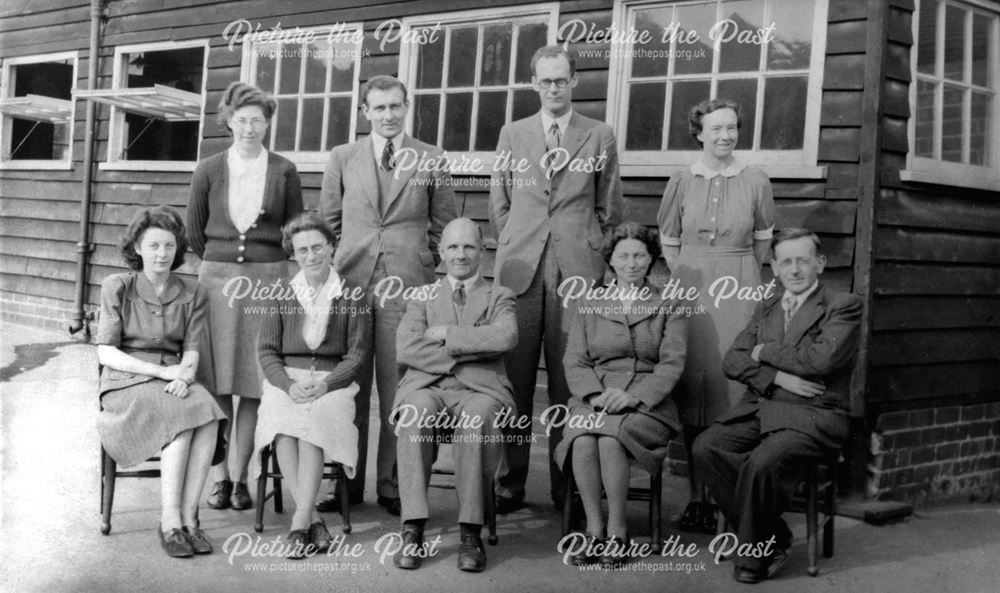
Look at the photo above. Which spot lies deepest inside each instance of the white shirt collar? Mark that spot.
(801, 297)
(239, 166)
(378, 143)
(734, 169)
(562, 120)
(468, 282)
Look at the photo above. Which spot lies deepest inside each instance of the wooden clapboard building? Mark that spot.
(877, 121)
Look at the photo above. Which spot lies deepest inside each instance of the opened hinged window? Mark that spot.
(36, 130)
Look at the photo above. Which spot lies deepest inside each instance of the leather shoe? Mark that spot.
(241, 497)
(175, 543)
(471, 554)
(615, 552)
(331, 504)
(747, 575)
(196, 537)
(299, 544)
(709, 523)
(392, 505)
(509, 504)
(691, 519)
(585, 556)
(408, 557)
(778, 561)
(221, 493)
(320, 536)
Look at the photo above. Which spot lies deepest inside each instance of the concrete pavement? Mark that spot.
(50, 539)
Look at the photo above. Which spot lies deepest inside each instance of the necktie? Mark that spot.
(388, 162)
(458, 296)
(553, 138)
(790, 304)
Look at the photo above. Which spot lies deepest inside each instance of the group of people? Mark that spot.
(455, 359)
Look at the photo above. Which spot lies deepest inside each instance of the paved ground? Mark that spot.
(50, 541)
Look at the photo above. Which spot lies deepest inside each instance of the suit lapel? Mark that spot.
(476, 301)
(575, 135)
(532, 140)
(806, 316)
(361, 171)
(648, 306)
(444, 306)
(399, 176)
(772, 323)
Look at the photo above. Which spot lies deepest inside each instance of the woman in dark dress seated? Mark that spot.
(625, 354)
(151, 328)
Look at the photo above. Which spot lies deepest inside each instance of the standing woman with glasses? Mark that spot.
(716, 220)
(239, 201)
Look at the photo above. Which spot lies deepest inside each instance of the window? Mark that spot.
(157, 99)
(765, 54)
(314, 78)
(37, 108)
(469, 73)
(954, 123)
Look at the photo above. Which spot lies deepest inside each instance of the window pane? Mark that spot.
(792, 44)
(785, 110)
(529, 38)
(495, 69)
(685, 95)
(265, 67)
(317, 56)
(954, 42)
(980, 49)
(652, 23)
(645, 116)
(952, 128)
(458, 115)
(31, 141)
(525, 104)
(312, 124)
(338, 125)
(462, 57)
(927, 36)
(924, 140)
(342, 68)
(489, 120)
(744, 92)
(158, 140)
(696, 57)
(284, 124)
(430, 61)
(289, 64)
(425, 118)
(979, 149)
(737, 55)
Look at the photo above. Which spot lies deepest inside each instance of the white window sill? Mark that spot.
(969, 181)
(773, 171)
(29, 165)
(182, 166)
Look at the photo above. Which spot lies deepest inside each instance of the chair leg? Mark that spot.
(491, 514)
(830, 493)
(279, 505)
(655, 496)
(109, 469)
(258, 525)
(567, 511)
(811, 520)
(345, 499)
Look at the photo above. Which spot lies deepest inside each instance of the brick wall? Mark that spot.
(936, 455)
(36, 311)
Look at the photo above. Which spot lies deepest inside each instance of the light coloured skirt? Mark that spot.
(136, 422)
(327, 422)
(705, 393)
(644, 437)
(234, 321)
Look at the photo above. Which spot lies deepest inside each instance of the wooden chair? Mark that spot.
(653, 494)
(109, 474)
(820, 488)
(489, 504)
(269, 469)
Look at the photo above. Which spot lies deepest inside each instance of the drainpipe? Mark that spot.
(83, 246)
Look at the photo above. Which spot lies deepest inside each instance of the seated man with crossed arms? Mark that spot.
(451, 344)
(795, 356)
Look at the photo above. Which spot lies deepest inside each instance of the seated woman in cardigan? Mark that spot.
(311, 346)
(625, 354)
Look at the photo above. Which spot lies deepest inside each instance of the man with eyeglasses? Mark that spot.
(387, 198)
(550, 217)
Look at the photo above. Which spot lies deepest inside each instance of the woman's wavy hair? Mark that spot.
(699, 111)
(240, 94)
(307, 221)
(158, 217)
(632, 230)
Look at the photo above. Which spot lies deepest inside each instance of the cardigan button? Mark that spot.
(241, 248)
(239, 259)
(243, 237)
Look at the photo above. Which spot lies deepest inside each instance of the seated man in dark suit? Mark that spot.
(452, 343)
(795, 357)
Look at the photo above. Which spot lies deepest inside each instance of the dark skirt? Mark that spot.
(644, 436)
(136, 422)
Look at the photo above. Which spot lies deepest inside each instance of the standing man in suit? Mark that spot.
(388, 222)
(452, 344)
(550, 223)
(796, 358)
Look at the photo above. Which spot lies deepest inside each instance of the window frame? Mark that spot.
(308, 161)
(802, 164)
(934, 170)
(484, 16)
(5, 130)
(116, 121)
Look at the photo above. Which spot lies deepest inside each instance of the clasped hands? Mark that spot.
(792, 383)
(614, 401)
(178, 378)
(306, 391)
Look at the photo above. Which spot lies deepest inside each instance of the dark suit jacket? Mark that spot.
(474, 345)
(821, 345)
(574, 208)
(420, 204)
